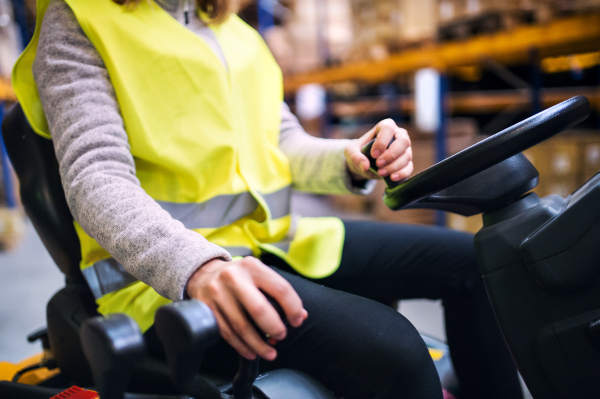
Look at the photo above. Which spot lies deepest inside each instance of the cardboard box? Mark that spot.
(461, 19)
(471, 224)
(358, 204)
(450, 10)
(12, 228)
(557, 163)
(561, 186)
(590, 155)
(381, 27)
(319, 32)
(566, 161)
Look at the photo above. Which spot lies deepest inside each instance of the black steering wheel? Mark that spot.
(485, 153)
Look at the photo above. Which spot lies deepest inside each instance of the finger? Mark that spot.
(285, 295)
(385, 132)
(358, 159)
(397, 164)
(260, 310)
(354, 151)
(232, 338)
(396, 149)
(241, 325)
(403, 173)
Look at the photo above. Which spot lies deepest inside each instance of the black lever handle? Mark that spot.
(245, 377)
(366, 150)
(186, 329)
(112, 345)
(249, 369)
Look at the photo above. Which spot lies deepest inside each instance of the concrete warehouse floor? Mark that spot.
(29, 277)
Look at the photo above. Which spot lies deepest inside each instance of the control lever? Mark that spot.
(248, 370)
(186, 329)
(245, 377)
(112, 345)
(366, 150)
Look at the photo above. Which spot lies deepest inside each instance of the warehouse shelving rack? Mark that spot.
(7, 94)
(572, 35)
(523, 45)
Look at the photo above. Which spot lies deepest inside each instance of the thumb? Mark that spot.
(359, 159)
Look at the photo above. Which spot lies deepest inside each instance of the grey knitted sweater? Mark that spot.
(98, 170)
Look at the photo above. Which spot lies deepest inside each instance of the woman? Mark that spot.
(177, 156)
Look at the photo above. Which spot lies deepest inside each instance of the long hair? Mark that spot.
(216, 10)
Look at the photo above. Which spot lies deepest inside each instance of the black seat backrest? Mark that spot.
(34, 161)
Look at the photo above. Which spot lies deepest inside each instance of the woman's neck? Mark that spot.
(182, 10)
(170, 5)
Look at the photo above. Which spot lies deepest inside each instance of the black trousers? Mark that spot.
(361, 348)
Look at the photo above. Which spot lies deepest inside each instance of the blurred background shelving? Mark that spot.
(350, 63)
(450, 71)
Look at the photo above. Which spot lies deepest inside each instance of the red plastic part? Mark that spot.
(76, 393)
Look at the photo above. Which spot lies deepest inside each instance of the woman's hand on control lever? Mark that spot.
(395, 161)
(232, 290)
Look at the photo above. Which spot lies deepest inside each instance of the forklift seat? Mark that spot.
(42, 195)
(33, 159)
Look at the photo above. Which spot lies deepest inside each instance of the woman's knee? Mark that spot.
(397, 358)
(404, 352)
(365, 339)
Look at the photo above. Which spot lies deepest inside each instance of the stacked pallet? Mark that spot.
(12, 228)
(566, 161)
(328, 32)
(318, 33)
(382, 27)
(321, 33)
(12, 225)
(462, 19)
(10, 40)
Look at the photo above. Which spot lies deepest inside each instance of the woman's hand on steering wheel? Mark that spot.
(395, 161)
(232, 290)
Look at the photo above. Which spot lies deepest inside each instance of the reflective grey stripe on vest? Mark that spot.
(106, 276)
(283, 245)
(243, 251)
(238, 251)
(279, 202)
(226, 209)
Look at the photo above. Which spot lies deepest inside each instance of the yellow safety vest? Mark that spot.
(204, 137)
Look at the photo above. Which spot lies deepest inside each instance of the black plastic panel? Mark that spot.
(564, 233)
(539, 260)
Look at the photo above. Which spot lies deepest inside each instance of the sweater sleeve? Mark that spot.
(318, 165)
(97, 167)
